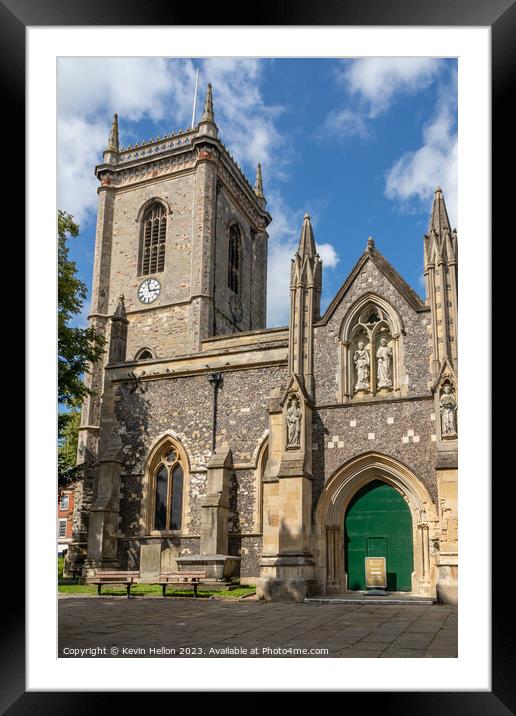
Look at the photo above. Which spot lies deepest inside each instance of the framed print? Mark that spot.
(185, 509)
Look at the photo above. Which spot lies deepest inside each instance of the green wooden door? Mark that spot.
(378, 523)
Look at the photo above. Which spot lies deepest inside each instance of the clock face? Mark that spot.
(149, 290)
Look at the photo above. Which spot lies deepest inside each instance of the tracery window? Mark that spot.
(144, 354)
(167, 491)
(234, 259)
(371, 352)
(153, 240)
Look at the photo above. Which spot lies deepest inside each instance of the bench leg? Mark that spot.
(164, 588)
(195, 591)
(128, 590)
(99, 587)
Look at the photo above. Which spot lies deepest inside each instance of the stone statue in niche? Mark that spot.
(384, 357)
(448, 407)
(293, 423)
(361, 361)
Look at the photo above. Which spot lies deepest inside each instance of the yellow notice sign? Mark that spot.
(375, 572)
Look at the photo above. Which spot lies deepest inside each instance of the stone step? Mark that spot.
(372, 599)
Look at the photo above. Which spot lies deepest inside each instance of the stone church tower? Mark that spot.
(285, 457)
(167, 209)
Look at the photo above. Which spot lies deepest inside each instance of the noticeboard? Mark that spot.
(375, 573)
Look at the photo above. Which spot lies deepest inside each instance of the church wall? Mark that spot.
(402, 429)
(183, 405)
(415, 339)
(249, 548)
(243, 408)
(165, 331)
(242, 497)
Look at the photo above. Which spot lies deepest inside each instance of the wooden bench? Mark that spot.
(114, 577)
(190, 578)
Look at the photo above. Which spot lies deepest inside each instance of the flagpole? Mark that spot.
(195, 97)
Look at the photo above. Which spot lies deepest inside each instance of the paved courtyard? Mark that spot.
(179, 627)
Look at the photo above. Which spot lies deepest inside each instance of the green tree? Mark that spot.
(67, 448)
(77, 347)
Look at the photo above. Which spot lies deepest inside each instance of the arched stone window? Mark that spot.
(153, 239)
(371, 359)
(144, 354)
(234, 259)
(166, 490)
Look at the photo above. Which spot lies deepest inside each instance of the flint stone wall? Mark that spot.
(183, 405)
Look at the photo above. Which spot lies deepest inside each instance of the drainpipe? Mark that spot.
(215, 379)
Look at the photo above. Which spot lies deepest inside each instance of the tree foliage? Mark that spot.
(77, 347)
(67, 450)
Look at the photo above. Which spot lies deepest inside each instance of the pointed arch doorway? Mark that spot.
(378, 523)
(342, 490)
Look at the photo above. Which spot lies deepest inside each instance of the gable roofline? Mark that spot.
(372, 254)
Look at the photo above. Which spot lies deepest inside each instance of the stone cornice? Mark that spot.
(157, 146)
(169, 156)
(374, 401)
(231, 177)
(248, 359)
(141, 170)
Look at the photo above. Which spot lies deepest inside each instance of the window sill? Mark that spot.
(166, 533)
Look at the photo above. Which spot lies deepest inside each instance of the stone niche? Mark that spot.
(371, 355)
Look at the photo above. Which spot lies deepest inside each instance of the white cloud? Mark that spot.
(374, 83)
(414, 176)
(79, 145)
(133, 87)
(284, 233)
(329, 256)
(377, 80)
(246, 124)
(90, 90)
(348, 123)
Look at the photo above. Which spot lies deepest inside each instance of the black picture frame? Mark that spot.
(500, 16)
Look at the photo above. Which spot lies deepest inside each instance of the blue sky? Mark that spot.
(359, 144)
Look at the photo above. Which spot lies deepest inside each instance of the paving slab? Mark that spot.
(188, 628)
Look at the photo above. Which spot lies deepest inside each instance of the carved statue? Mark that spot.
(448, 406)
(384, 356)
(361, 361)
(293, 423)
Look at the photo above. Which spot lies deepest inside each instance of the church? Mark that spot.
(283, 457)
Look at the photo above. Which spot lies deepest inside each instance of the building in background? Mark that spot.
(65, 511)
(287, 456)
